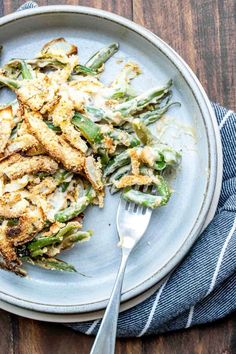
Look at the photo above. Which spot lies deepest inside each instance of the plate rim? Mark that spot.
(209, 120)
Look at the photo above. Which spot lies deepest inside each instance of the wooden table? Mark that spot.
(203, 33)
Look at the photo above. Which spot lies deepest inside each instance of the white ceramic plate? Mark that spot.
(173, 228)
(75, 317)
(88, 316)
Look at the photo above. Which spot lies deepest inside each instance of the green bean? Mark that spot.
(122, 171)
(119, 161)
(50, 263)
(61, 175)
(76, 208)
(119, 173)
(149, 200)
(96, 114)
(53, 127)
(123, 137)
(138, 103)
(45, 62)
(67, 241)
(41, 241)
(26, 71)
(66, 230)
(11, 83)
(81, 69)
(166, 154)
(143, 133)
(39, 252)
(163, 155)
(168, 97)
(152, 116)
(141, 198)
(72, 211)
(78, 236)
(160, 165)
(164, 190)
(63, 239)
(100, 57)
(121, 85)
(103, 156)
(89, 130)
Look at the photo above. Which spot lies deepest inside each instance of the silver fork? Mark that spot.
(132, 222)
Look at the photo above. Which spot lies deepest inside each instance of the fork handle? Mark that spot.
(106, 337)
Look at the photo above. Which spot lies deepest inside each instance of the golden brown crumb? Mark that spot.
(135, 163)
(93, 173)
(36, 150)
(100, 198)
(14, 209)
(54, 228)
(8, 161)
(6, 125)
(39, 95)
(61, 116)
(52, 50)
(29, 224)
(27, 165)
(109, 144)
(47, 186)
(131, 180)
(7, 249)
(55, 145)
(147, 156)
(21, 143)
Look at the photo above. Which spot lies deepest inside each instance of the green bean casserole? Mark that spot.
(64, 138)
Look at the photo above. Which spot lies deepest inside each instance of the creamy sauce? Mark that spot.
(179, 135)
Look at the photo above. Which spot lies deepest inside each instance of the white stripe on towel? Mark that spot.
(91, 328)
(216, 272)
(220, 258)
(224, 119)
(190, 317)
(152, 312)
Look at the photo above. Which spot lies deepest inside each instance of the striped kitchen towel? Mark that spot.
(203, 287)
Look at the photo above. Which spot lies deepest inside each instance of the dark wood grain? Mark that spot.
(6, 333)
(121, 7)
(214, 339)
(203, 33)
(34, 337)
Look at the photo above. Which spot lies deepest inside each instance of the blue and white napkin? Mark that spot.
(203, 287)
